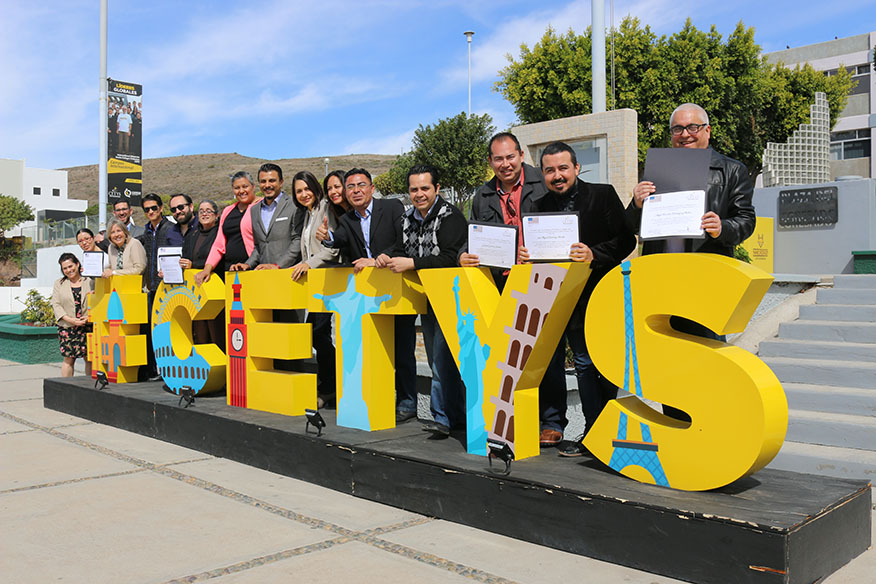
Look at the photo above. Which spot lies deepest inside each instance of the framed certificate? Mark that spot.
(168, 263)
(678, 214)
(549, 236)
(494, 244)
(93, 263)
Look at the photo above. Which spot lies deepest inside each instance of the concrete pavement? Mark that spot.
(83, 502)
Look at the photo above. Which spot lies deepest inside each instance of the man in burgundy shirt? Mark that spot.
(511, 193)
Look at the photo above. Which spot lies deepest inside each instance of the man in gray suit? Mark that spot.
(277, 244)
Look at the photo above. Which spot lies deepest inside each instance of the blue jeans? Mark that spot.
(593, 389)
(405, 363)
(447, 391)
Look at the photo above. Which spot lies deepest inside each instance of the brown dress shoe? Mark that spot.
(549, 437)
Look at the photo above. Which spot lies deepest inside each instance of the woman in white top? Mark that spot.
(310, 200)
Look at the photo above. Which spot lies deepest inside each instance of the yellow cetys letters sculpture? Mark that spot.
(117, 309)
(364, 305)
(179, 361)
(256, 337)
(737, 408)
(503, 344)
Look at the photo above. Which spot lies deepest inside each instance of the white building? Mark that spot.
(44, 190)
(852, 141)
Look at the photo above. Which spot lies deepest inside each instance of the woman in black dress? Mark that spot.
(70, 303)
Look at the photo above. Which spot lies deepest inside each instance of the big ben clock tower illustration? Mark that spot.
(237, 349)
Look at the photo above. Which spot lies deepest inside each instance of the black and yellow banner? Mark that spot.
(124, 141)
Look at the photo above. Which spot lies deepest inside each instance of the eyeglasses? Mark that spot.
(151, 209)
(692, 129)
(179, 207)
(353, 186)
(205, 211)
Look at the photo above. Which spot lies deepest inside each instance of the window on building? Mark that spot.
(36, 190)
(56, 192)
(850, 144)
(859, 73)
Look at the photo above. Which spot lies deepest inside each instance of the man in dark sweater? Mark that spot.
(605, 240)
(433, 232)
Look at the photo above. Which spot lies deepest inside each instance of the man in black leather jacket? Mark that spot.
(730, 217)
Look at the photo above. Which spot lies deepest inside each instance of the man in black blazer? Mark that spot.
(371, 228)
(380, 219)
(605, 240)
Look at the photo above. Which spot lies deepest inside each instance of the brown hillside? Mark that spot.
(206, 176)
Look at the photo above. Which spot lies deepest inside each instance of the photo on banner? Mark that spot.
(124, 141)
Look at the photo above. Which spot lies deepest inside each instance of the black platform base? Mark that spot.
(775, 526)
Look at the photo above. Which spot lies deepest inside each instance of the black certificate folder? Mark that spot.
(677, 169)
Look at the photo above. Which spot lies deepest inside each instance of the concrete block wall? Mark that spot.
(620, 129)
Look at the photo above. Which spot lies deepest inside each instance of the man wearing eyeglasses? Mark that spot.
(511, 192)
(730, 217)
(373, 227)
(122, 212)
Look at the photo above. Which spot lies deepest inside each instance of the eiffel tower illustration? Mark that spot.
(631, 452)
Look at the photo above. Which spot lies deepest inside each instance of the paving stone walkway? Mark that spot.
(83, 502)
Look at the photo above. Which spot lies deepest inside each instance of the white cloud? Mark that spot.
(489, 52)
(393, 144)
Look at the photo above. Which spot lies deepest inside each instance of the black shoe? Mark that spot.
(402, 416)
(575, 448)
(436, 428)
(155, 377)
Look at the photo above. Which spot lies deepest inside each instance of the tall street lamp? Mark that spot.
(468, 34)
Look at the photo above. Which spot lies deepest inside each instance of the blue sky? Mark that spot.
(280, 79)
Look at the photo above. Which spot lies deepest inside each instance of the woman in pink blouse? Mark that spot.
(234, 241)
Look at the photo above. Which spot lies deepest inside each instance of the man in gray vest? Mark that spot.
(277, 245)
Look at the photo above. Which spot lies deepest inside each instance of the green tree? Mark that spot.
(750, 101)
(456, 146)
(395, 180)
(13, 212)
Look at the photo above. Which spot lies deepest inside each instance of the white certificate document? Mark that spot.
(168, 262)
(549, 236)
(93, 263)
(676, 214)
(495, 245)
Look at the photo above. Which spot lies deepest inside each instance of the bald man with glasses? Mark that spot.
(729, 219)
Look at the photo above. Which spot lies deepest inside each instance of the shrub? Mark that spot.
(37, 309)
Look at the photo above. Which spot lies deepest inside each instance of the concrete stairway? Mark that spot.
(826, 361)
